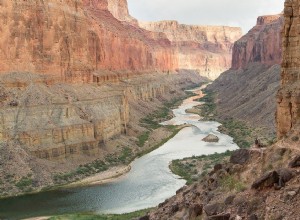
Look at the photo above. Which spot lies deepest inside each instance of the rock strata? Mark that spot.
(289, 93)
(247, 91)
(206, 49)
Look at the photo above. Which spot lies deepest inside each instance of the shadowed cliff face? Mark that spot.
(288, 97)
(262, 44)
(247, 91)
(71, 40)
(206, 49)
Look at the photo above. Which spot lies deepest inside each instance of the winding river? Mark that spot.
(147, 184)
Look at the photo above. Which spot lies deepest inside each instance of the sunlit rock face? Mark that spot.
(206, 49)
(261, 44)
(288, 98)
(71, 40)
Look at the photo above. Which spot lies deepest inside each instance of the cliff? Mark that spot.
(288, 96)
(255, 183)
(73, 75)
(262, 44)
(206, 49)
(70, 41)
(248, 90)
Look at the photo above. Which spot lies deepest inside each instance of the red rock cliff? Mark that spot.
(71, 40)
(288, 98)
(261, 44)
(206, 49)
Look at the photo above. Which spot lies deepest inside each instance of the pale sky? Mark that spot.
(241, 13)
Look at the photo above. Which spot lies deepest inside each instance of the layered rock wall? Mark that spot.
(58, 121)
(206, 49)
(262, 44)
(70, 40)
(248, 90)
(288, 98)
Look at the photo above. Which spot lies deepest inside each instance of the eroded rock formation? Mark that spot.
(247, 91)
(206, 49)
(73, 40)
(262, 44)
(288, 98)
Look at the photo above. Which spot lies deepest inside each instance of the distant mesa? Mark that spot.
(211, 138)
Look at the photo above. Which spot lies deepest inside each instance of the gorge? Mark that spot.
(86, 87)
(78, 77)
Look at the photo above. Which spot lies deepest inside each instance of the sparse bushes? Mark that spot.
(231, 183)
(143, 138)
(25, 183)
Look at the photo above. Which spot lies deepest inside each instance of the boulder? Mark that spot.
(146, 217)
(267, 180)
(240, 156)
(229, 200)
(218, 167)
(213, 209)
(285, 175)
(211, 138)
(295, 162)
(195, 211)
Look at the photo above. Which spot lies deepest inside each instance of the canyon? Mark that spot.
(77, 78)
(247, 91)
(260, 182)
(205, 49)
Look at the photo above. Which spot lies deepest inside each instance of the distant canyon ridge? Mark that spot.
(78, 77)
(97, 40)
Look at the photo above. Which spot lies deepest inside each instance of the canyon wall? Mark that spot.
(288, 97)
(262, 44)
(60, 120)
(206, 49)
(247, 91)
(72, 40)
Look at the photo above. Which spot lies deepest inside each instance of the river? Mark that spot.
(149, 182)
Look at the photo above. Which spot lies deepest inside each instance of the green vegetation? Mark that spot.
(173, 129)
(90, 216)
(184, 170)
(24, 184)
(193, 168)
(152, 121)
(208, 108)
(143, 138)
(231, 183)
(97, 166)
(242, 134)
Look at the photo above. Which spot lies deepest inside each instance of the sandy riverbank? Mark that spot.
(110, 175)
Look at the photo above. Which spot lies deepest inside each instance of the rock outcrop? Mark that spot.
(206, 49)
(271, 190)
(262, 44)
(74, 40)
(248, 90)
(211, 138)
(288, 97)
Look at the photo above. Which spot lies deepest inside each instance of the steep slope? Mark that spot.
(288, 96)
(75, 81)
(255, 183)
(74, 40)
(206, 49)
(247, 91)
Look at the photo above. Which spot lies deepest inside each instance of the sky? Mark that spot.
(239, 13)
